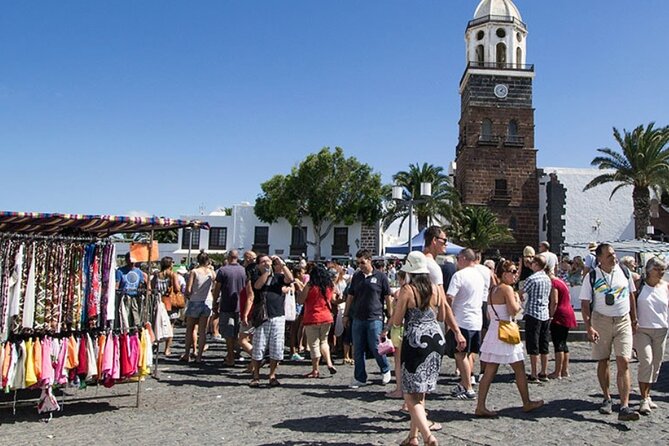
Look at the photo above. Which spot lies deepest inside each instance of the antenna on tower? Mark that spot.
(201, 209)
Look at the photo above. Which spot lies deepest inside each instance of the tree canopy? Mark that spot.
(476, 227)
(643, 164)
(326, 187)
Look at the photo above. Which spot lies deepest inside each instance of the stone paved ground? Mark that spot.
(213, 405)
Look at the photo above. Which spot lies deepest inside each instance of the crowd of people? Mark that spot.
(464, 309)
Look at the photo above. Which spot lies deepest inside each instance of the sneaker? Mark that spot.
(457, 390)
(472, 380)
(355, 384)
(217, 338)
(606, 408)
(296, 357)
(386, 378)
(627, 414)
(644, 407)
(467, 395)
(651, 404)
(543, 377)
(532, 379)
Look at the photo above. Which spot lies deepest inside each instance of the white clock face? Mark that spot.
(501, 91)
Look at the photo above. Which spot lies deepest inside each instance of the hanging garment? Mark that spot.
(60, 376)
(30, 376)
(126, 368)
(108, 299)
(29, 296)
(37, 355)
(47, 402)
(24, 364)
(133, 353)
(82, 368)
(152, 336)
(107, 359)
(163, 324)
(8, 352)
(41, 273)
(17, 357)
(2, 362)
(11, 286)
(72, 360)
(100, 351)
(48, 373)
(92, 359)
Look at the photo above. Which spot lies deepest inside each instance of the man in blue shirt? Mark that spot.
(130, 283)
(537, 290)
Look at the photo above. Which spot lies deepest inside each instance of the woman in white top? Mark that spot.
(651, 329)
(200, 299)
(503, 304)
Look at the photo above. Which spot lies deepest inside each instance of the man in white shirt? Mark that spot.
(610, 324)
(551, 258)
(465, 294)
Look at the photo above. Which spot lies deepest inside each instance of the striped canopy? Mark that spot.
(78, 224)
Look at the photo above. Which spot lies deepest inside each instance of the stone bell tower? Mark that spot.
(496, 162)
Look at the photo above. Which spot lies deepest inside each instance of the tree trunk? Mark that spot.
(422, 222)
(641, 198)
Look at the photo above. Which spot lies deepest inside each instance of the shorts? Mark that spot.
(649, 344)
(317, 335)
(473, 338)
(559, 335)
(613, 331)
(536, 336)
(198, 309)
(486, 319)
(228, 324)
(270, 333)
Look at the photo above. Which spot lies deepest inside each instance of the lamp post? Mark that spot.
(398, 196)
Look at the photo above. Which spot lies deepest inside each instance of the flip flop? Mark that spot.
(274, 382)
(434, 426)
(254, 384)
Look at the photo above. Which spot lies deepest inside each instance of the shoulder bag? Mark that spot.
(507, 331)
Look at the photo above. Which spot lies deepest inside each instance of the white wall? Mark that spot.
(590, 216)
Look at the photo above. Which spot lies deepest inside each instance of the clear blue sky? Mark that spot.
(162, 106)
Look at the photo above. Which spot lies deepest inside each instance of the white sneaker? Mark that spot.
(472, 380)
(644, 407)
(355, 384)
(651, 404)
(386, 378)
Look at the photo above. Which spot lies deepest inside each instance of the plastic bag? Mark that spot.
(290, 308)
(385, 346)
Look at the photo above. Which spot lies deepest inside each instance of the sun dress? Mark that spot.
(422, 350)
(495, 351)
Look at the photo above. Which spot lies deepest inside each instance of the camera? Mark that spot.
(609, 298)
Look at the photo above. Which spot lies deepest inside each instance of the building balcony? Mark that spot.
(496, 18)
(514, 141)
(488, 140)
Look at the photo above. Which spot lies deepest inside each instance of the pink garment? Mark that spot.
(116, 366)
(48, 373)
(61, 373)
(134, 354)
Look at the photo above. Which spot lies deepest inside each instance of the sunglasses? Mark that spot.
(512, 271)
(444, 240)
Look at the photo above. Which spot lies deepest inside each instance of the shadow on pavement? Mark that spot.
(29, 413)
(338, 424)
(315, 443)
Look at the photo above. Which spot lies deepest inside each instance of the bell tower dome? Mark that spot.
(495, 157)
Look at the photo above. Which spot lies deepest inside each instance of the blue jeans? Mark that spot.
(365, 335)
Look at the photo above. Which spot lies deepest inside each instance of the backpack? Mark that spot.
(593, 277)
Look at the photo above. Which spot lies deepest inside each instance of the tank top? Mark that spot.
(203, 281)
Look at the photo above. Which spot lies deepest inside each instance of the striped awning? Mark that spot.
(79, 224)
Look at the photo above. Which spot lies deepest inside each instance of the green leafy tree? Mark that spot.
(477, 227)
(643, 164)
(441, 206)
(326, 187)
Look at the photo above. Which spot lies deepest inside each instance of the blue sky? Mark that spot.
(165, 106)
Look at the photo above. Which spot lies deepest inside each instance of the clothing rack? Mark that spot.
(68, 238)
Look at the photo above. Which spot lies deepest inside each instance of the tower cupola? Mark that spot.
(496, 36)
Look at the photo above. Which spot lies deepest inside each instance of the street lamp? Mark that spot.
(398, 196)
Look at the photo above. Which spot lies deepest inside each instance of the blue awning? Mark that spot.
(417, 243)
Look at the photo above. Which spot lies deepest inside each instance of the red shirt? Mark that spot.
(317, 307)
(564, 313)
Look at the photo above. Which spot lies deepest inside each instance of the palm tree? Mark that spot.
(643, 164)
(476, 227)
(431, 210)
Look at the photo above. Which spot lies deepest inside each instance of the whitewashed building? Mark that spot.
(570, 216)
(243, 230)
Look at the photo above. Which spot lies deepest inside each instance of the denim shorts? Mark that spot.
(198, 309)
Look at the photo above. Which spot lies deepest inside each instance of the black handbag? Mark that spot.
(259, 315)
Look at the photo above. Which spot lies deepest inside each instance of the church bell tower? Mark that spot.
(496, 162)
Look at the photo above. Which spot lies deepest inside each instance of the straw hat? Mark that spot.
(416, 263)
(592, 246)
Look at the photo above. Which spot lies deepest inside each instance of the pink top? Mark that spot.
(564, 313)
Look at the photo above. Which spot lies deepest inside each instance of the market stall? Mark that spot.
(63, 324)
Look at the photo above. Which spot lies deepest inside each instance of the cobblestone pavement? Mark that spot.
(211, 404)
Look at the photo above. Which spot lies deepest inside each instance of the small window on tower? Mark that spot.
(486, 130)
(501, 33)
(501, 55)
(480, 35)
(501, 188)
(513, 128)
(519, 57)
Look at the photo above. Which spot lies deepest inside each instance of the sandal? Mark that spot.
(255, 383)
(273, 382)
(434, 426)
(332, 370)
(409, 441)
(313, 374)
(184, 358)
(431, 441)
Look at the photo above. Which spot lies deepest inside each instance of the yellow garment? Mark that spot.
(143, 368)
(37, 354)
(31, 378)
(72, 360)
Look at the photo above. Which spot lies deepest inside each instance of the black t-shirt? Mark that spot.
(448, 269)
(369, 293)
(274, 295)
